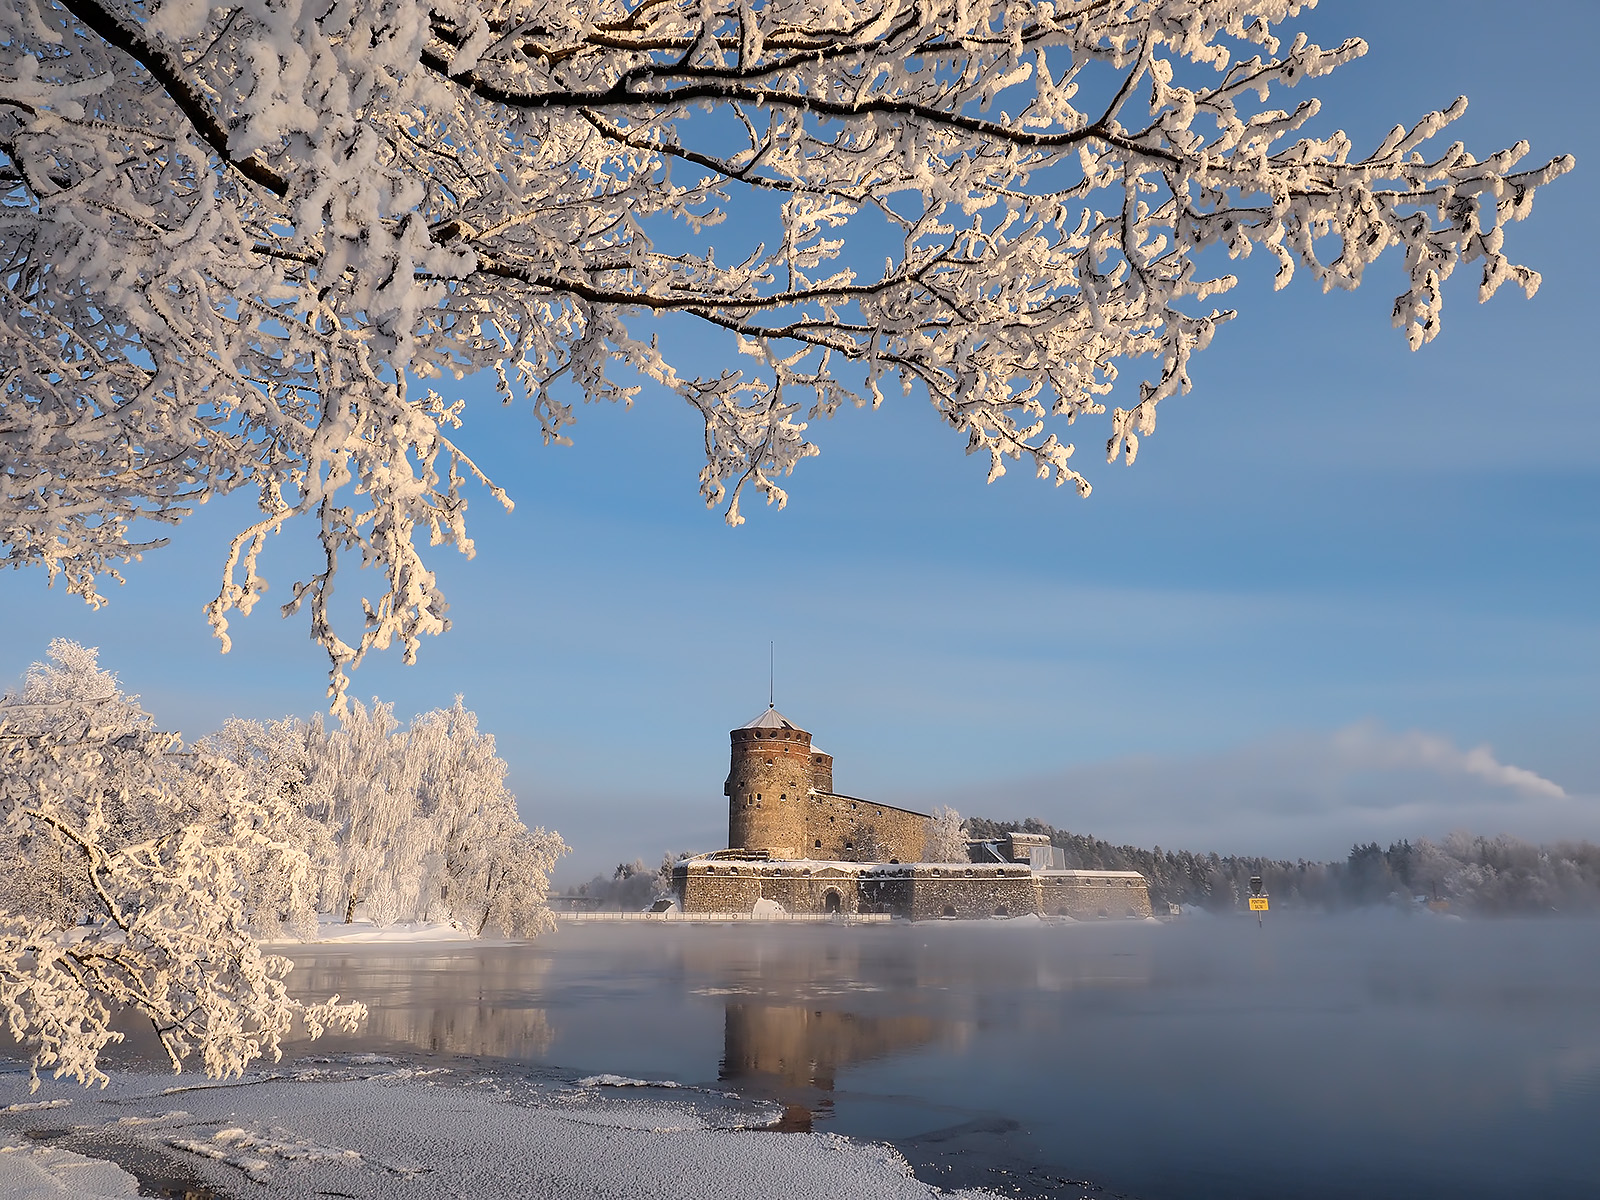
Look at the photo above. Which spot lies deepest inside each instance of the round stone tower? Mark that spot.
(822, 771)
(770, 773)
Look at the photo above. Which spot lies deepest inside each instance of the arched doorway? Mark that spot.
(832, 900)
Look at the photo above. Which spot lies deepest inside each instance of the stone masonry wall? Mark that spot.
(972, 892)
(808, 893)
(1087, 895)
(921, 891)
(840, 828)
(716, 887)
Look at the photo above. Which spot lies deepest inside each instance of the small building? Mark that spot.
(795, 842)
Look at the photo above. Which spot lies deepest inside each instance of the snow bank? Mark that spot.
(366, 931)
(311, 1132)
(29, 1172)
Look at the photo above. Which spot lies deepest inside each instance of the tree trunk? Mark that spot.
(488, 900)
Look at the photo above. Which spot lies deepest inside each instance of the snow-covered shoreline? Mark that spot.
(371, 1127)
(364, 931)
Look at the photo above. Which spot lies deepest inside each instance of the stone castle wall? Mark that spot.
(989, 891)
(849, 829)
(720, 885)
(808, 889)
(1086, 895)
(928, 891)
(716, 887)
(769, 780)
(920, 891)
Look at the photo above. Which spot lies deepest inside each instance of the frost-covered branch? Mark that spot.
(129, 884)
(244, 246)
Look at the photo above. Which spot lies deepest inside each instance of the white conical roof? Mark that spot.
(771, 719)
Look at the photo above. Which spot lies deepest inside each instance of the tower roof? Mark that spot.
(771, 719)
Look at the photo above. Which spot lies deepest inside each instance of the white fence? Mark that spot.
(832, 918)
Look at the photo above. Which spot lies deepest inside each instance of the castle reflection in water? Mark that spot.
(791, 1053)
(789, 1015)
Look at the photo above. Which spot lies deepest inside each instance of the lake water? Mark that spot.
(1374, 1055)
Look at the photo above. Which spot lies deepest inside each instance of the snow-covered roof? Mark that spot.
(771, 719)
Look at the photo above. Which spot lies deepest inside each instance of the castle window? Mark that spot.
(819, 844)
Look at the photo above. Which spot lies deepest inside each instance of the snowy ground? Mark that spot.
(329, 930)
(371, 1127)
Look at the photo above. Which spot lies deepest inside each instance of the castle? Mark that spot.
(795, 843)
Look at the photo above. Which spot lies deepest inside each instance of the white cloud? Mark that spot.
(1291, 795)
(1368, 745)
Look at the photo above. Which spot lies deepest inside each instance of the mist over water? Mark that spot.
(1380, 1055)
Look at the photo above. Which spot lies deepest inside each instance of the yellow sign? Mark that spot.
(1258, 904)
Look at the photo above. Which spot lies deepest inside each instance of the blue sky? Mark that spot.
(1337, 569)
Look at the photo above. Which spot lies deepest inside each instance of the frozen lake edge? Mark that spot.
(390, 1130)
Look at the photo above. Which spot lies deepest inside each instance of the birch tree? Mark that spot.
(947, 837)
(414, 823)
(126, 860)
(255, 244)
(275, 768)
(491, 869)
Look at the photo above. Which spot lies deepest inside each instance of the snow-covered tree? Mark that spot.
(272, 758)
(421, 822)
(947, 837)
(126, 885)
(366, 788)
(246, 244)
(494, 870)
(631, 886)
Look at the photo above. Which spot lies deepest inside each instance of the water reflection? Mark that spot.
(1201, 1059)
(479, 1002)
(792, 1053)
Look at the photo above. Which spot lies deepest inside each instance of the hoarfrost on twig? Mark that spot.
(252, 245)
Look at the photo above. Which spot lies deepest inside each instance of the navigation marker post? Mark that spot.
(1258, 899)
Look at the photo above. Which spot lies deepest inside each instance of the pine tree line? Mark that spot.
(1474, 874)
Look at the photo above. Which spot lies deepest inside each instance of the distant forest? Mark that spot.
(1474, 874)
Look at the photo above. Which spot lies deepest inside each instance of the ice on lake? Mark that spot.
(1383, 1055)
